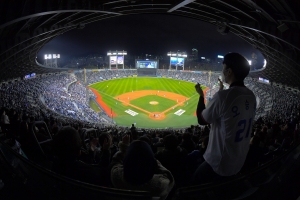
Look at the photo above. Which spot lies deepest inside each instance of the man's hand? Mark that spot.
(106, 144)
(221, 84)
(126, 139)
(199, 90)
(93, 144)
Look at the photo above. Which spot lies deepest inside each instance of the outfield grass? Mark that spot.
(144, 103)
(111, 88)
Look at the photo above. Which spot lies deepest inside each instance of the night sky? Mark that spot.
(147, 34)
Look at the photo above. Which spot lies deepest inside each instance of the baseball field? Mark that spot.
(149, 102)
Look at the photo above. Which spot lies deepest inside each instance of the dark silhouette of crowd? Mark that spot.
(88, 148)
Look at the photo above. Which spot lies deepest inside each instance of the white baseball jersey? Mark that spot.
(231, 113)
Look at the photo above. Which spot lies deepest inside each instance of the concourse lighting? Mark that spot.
(265, 63)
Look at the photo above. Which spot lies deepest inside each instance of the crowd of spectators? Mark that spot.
(155, 160)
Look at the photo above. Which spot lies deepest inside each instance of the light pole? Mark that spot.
(51, 60)
(175, 56)
(116, 57)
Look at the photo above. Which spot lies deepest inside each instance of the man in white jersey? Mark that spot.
(230, 113)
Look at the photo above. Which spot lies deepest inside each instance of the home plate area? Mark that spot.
(179, 112)
(131, 112)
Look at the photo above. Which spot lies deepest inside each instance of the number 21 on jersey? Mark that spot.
(243, 125)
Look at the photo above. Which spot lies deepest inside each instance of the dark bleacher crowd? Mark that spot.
(88, 148)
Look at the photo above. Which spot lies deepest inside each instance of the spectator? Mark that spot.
(230, 113)
(67, 144)
(174, 158)
(187, 143)
(136, 168)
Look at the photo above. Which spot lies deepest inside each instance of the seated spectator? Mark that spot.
(187, 142)
(174, 158)
(255, 154)
(102, 157)
(67, 144)
(135, 168)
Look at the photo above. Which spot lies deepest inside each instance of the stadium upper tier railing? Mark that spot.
(45, 183)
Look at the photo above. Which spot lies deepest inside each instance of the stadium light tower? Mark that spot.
(179, 56)
(116, 58)
(51, 60)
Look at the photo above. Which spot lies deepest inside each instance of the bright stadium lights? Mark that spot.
(177, 59)
(203, 58)
(219, 56)
(51, 60)
(116, 58)
(250, 62)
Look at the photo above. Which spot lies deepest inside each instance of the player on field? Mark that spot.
(231, 113)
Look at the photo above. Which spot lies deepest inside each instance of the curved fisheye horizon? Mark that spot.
(151, 34)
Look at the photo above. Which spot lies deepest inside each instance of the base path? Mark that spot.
(103, 105)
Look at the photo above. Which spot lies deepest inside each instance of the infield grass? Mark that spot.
(111, 88)
(144, 103)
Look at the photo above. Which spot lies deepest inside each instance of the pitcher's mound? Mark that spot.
(153, 102)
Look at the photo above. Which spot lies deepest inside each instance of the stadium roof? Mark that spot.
(270, 26)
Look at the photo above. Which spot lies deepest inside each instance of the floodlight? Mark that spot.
(49, 56)
(169, 54)
(58, 55)
(174, 54)
(179, 54)
(108, 54)
(250, 62)
(54, 56)
(120, 53)
(114, 53)
(46, 57)
(203, 58)
(219, 56)
(125, 53)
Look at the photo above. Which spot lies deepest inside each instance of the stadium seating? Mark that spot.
(47, 103)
